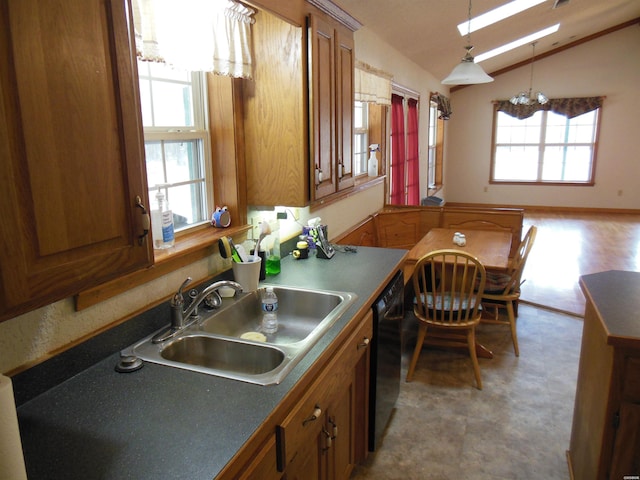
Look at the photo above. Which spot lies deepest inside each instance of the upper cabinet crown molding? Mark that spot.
(337, 13)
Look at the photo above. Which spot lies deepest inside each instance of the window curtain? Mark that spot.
(398, 151)
(371, 84)
(444, 106)
(195, 35)
(413, 157)
(569, 107)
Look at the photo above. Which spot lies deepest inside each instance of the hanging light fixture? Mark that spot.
(467, 72)
(525, 98)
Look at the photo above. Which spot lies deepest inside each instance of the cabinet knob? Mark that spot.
(365, 343)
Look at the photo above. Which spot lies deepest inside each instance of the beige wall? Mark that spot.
(374, 51)
(608, 66)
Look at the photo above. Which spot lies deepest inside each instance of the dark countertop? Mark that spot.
(616, 297)
(163, 422)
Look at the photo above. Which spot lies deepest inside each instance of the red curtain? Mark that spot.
(396, 170)
(413, 157)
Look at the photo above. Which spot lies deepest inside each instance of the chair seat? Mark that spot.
(496, 282)
(448, 301)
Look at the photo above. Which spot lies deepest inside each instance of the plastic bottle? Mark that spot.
(372, 165)
(168, 237)
(269, 311)
(272, 266)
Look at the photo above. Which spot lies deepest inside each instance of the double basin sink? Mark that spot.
(213, 343)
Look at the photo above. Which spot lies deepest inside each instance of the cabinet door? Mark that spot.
(340, 425)
(275, 115)
(322, 105)
(345, 63)
(626, 451)
(71, 149)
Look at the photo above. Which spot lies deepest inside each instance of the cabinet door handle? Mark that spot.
(328, 439)
(314, 416)
(145, 219)
(334, 428)
(365, 343)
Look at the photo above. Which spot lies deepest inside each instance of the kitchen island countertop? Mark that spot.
(163, 422)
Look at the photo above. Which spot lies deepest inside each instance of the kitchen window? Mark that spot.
(178, 156)
(546, 147)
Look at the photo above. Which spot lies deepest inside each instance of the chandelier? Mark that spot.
(526, 98)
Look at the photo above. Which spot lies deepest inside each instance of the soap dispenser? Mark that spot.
(372, 166)
(162, 222)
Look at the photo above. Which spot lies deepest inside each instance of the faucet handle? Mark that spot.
(178, 298)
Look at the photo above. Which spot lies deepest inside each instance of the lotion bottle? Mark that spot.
(162, 222)
(372, 165)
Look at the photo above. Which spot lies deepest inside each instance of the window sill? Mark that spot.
(362, 183)
(188, 248)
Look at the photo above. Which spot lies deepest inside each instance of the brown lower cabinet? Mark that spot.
(325, 433)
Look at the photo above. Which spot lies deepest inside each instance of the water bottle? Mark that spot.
(269, 311)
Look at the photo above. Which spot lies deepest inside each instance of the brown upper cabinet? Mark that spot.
(71, 149)
(299, 108)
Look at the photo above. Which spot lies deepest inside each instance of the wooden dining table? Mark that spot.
(491, 247)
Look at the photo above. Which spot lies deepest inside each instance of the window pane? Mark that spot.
(165, 95)
(360, 153)
(570, 164)
(183, 161)
(358, 115)
(516, 163)
(175, 108)
(512, 130)
(580, 129)
(186, 202)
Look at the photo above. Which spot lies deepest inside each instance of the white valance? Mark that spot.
(372, 85)
(195, 35)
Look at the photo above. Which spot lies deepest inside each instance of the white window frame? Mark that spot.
(198, 132)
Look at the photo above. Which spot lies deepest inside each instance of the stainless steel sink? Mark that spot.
(213, 346)
(300, 313)
(222, 354)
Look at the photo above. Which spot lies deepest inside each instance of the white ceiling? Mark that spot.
(426, 31)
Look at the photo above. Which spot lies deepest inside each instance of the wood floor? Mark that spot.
(568, 246)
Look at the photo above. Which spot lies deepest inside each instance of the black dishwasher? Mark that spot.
(386, 357)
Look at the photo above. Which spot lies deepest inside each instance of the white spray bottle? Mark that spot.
(372, 166)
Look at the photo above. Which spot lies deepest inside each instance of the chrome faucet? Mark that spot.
(179, 316)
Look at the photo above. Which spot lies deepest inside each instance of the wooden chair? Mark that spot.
(447, 303)
(502, 290)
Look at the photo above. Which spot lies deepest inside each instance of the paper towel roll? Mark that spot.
(11, 458)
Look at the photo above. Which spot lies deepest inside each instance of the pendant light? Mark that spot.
(467, 72)
(525, 98)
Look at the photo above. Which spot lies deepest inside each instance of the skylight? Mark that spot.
(505, 11)
(516, 43)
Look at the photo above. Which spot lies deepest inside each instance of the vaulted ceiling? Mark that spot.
(426, 31)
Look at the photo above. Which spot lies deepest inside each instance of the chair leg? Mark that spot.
(514, 332)
(422, 331)
(471, 342)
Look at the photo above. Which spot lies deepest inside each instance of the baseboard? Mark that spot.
(551, 209)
